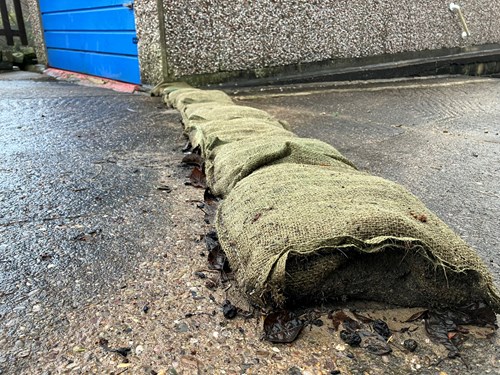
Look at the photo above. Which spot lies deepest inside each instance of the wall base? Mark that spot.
(479, 60)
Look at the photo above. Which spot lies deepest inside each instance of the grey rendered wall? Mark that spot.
(179, 38)
(209, 36)
(36, 25)
(149, 27)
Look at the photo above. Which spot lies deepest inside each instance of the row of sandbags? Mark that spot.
(300, 224)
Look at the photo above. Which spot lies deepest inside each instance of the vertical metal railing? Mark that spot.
(7, 29)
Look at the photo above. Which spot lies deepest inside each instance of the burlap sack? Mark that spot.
(230, 163)
(165, 88)
(222, 111)
(183, 97)
(295, 233)
(198, 105)
(301, 224)
(211, 134)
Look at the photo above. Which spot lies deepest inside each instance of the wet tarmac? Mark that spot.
(78, 204)
(439, 137)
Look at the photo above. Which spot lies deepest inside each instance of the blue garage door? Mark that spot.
(95, 37)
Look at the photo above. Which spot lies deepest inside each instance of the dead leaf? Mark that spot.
(476, 313)
(417, 316)
(216, 257)
(282, 326)
(209, 198)
(210, 206)
(218, 261)
(350, 338)
(374, 343)
(211, 240)
(438, 326)
(381, 328)
(229, 310)
(362, 318)
(444, 326)
(197, 178)
(340, 317)
(193, 159)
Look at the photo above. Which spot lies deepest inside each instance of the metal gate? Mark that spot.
(8, 31)
(95, 37)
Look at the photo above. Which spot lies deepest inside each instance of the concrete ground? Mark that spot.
(79, 207)
(100, 238)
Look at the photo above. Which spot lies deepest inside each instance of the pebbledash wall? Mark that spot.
(181, 39)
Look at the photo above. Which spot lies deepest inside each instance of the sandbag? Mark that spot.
(165, 88)
(300, 224)
(183, 97)
(211, 134)
(298, 233)
(211, 111)
(170, 97)
(234, 161)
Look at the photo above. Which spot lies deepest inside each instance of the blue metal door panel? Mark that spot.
(97, 64)
(65, 5)
(93, 19)
(94, 37)
(93, 41)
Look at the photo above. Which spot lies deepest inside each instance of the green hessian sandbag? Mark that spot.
(183, 97)
(170, 97)
(228, 164)
(298, 233)
(165, 88)
(222, 111)
(211, 134)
